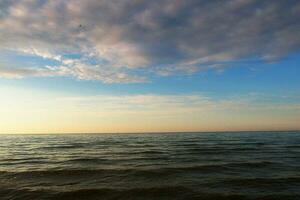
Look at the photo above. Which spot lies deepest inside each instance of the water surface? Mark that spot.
(240, 165)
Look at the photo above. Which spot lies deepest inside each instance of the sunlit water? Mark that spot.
(254, 165)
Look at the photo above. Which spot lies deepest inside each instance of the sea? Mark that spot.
(151, 166)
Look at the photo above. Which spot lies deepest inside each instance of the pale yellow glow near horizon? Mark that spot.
(33, 111)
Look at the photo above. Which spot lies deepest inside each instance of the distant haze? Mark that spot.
(149, 66)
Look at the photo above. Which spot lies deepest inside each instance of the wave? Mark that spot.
(159, 171)
(154, 152)
(165, 192)
(226, 166)
(83, 160)
(20, 161)
(263, 182)
(67, 146)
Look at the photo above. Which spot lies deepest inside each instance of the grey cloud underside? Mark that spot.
(162, 37)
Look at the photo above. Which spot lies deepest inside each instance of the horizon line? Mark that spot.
(153, 132)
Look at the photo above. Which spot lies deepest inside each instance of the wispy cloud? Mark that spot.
(42, 112)
(163, 37)
(183, 103)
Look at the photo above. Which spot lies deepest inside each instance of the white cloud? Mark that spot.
(79, 71)
(43, 54)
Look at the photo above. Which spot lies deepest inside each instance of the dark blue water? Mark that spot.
(254, 165)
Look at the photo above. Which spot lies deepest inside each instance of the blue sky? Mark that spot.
(170, 57)
(279, 77)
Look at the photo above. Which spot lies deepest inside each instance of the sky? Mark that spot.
(98, 66)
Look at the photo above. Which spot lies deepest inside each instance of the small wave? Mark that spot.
(64, 173)
(21, 159)
(83, 160)
(164, 192)
(53, 147)
(293, 147)
(263, 181)
(34, 160)
(224, 166)
(150, 152)
(147, 193)
(149, 172)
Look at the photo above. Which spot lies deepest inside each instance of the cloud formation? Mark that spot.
(162, 37)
